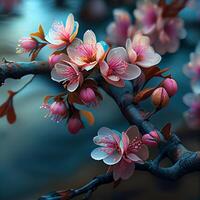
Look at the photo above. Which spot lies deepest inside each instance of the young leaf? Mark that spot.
(166, 131)
(144, 94)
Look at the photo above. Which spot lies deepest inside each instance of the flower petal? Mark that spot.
(102, 49)
(150, 58)
(131, 53)
(70, 24)
(89, 37)
(72, 86)
(57, 77)
(113, 158)
(73, 53)
(118, 53)
(99, 153)
(123, 170)
(104, 68)
(132, 72)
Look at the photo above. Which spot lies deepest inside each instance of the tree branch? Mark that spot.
(183, 160)
(16, 70)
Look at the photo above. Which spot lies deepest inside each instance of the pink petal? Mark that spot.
(135, 158)
(99, 153)
(90, 66)
(101, 52)
(131, 53)
(104, 68)
(73, 35)
(70, 24)
(119, 83)
(73, 53)
(123, 170)
(118, 53)
(143, 152)
(133, 132)
(73, 86)
(150, 58)
(57, 77)
(125, 141)
(132, 72)
(89, 37)
(113, 158)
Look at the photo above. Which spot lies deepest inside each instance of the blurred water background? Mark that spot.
(37, 156)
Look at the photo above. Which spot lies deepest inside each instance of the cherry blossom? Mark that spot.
(134, 151)
(60, 36)
(147, 15)
(140, 52)
(164, 32)
(87, 53)
(192, 115)
(68, 73)
(116, 68)
(109, 151)
(192, 69)
(119, 30)
(120, 150)
(57, 111)
(26, 45)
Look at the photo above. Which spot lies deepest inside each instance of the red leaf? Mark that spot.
(144, 94)
(166, 131)
(11, 116)
(3, 108)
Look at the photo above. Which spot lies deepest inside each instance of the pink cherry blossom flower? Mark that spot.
(109, 150)
(192, 69)
(192, 115)
(120, 150)
(26, 45)
(61, 36)
(140, 52)
(169, 33)
(67, 73)
(116, 69)
(147, 15)
(164, 32)
(55, 58)
(134, 151)
(57, 111)
(119, 30)
(87, 53)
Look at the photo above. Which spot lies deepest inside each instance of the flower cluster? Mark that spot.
(77, 62)
(120, 150)
(158, 21)
(192, 100)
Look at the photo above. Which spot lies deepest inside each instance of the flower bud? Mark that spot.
(170, 86)
(75, 124)
(87, 95)
(55, 58)
(26, 45)
(151, 139)
(57, 110)
(160, 98)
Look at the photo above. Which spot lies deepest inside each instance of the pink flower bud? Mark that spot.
(151, 139)
(55, 58)
(75, 124)
(57, 110)
(87, 95)
(170, 86)
(160, 98)
(26, 45)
